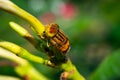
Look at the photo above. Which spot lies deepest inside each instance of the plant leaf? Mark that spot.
(109, 68)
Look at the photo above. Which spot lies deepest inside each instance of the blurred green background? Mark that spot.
(92, 26)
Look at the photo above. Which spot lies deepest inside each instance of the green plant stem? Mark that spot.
(24, 33)
(24, 68)
(70, 68)
(9, 55)
(19, 51)
(3, 77)
(10, 7)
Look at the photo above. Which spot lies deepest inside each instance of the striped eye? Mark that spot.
(57, 37)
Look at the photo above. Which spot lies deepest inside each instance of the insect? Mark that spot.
(57, 37)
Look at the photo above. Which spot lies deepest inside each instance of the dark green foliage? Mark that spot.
(109, 69)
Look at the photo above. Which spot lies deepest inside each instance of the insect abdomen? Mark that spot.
(61, 41)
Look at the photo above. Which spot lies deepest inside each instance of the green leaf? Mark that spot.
(109, 68)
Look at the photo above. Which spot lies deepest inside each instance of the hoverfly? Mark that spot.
(57, 37)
